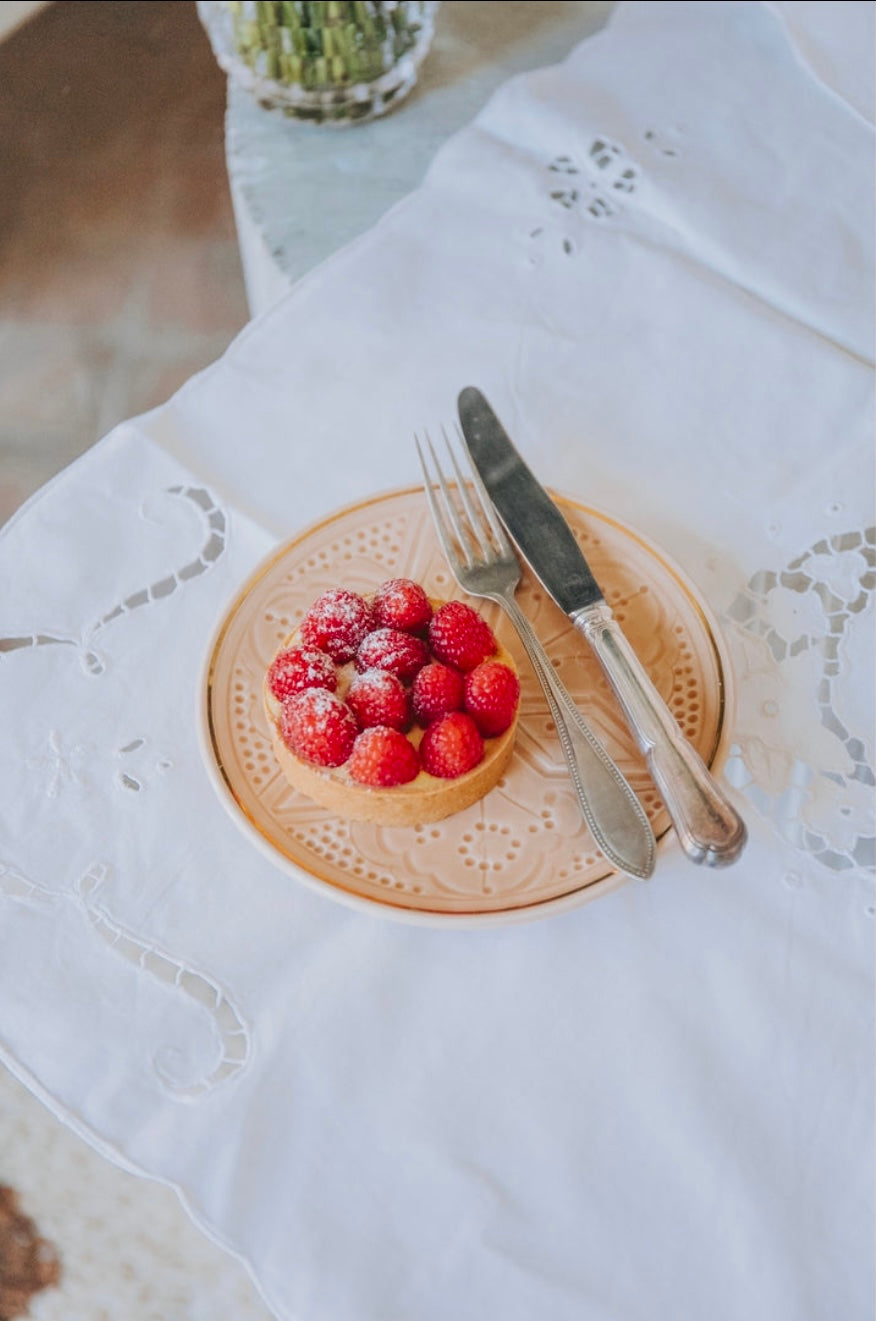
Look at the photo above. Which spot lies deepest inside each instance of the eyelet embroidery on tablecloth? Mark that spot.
(596, 184)
(606, 172)
(65, 767)
(20, 889)
(227, 1022)
(210, 551)
(60, 765)
(593, 186)
(781, 617)
(133, 776)
(233, 1034)
(665, 142)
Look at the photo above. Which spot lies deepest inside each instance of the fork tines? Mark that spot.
(463, 506)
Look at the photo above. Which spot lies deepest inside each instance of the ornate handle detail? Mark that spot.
(710, 829)
(614, 814)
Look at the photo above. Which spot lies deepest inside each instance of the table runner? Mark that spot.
(656, 259)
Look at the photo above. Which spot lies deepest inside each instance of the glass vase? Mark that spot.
(330, 63)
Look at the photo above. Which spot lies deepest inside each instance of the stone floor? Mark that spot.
(119, 278)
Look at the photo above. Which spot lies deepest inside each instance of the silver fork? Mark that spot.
(485, 564)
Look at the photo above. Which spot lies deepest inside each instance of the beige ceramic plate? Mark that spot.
(522, 851)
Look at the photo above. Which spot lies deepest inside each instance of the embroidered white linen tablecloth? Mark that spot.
(656, 259)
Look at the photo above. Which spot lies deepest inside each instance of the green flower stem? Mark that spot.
(327, 44)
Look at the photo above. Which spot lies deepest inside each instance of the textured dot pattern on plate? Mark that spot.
(522, 850)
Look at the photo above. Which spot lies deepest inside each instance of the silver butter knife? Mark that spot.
(709, 828)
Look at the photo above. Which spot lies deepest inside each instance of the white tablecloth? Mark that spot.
(298, 196)
(657, 260)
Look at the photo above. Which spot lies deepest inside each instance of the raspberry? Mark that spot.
(377, 697)
(297, 668)
(436, 690)
(383, 757)
(390, 649)
(401, 603)
(491, 694)
(459, 637)
(337, 622)
(318, 727)
(451, 746)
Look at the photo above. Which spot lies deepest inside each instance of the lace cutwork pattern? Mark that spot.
(595, 185)
(62, 765)
(793, 628)
(202, 991)
(209, 552)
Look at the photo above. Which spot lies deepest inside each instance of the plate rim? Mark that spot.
(613, 879)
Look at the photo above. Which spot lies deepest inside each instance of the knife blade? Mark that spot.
(709, 828)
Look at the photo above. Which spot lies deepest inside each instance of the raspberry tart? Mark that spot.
(392, 708)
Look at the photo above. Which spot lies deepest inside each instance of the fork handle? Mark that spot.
(614, 814)
(709, 828)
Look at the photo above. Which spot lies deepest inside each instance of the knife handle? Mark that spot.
(614, 814)
(709, 828)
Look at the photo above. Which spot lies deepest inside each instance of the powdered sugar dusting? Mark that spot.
(377, 697)
(369, 690)
(320, 704)
(383, 758)
(390, 649)
(317, 726)
(374, 678)
(459, 637)
(297, 668)
(402, 603)
(337, 622)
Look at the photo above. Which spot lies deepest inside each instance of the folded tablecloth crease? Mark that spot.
(656, 259)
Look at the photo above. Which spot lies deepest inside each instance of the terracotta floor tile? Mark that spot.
(193, 286)
(140, 377)
(74, 283)
(48, 373)
(119, 269)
